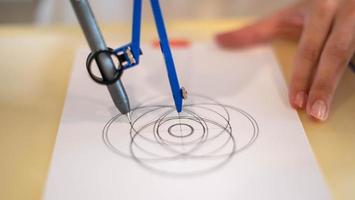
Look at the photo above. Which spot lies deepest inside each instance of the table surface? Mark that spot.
(35, 68)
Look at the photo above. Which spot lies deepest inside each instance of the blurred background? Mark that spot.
(46, 12)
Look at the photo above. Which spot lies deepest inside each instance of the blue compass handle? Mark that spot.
(168, 57)
(136, 29)
(129, 54)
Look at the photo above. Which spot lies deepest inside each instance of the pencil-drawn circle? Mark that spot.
(185, 130)
(200, 139)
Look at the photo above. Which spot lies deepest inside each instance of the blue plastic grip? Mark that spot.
(168, 57)
(134, 47)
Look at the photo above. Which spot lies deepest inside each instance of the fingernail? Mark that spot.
(300, 99)
(319, 110)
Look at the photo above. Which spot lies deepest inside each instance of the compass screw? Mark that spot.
(184, 93)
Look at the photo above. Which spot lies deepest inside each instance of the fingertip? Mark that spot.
(298, 99)
(228, 39)
(220, 38)
(313, 119)
(318, 110)
(320, 97)
(292, 101)
(243, 37)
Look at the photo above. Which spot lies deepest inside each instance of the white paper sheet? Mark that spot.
(237, 138)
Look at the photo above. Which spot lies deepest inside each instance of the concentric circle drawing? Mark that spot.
(200, 139)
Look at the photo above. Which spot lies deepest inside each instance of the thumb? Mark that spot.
(287, 23)
(258, 32)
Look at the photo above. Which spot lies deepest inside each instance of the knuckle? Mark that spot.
(346, 14)
(310, 52)
(323, 87)
(349, 7)
(337, 50)
(299, 81)
(296, 86)
(326, 6)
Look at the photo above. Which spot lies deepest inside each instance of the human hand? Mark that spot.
(326, 29)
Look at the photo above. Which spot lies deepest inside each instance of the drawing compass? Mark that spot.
(129, 54)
